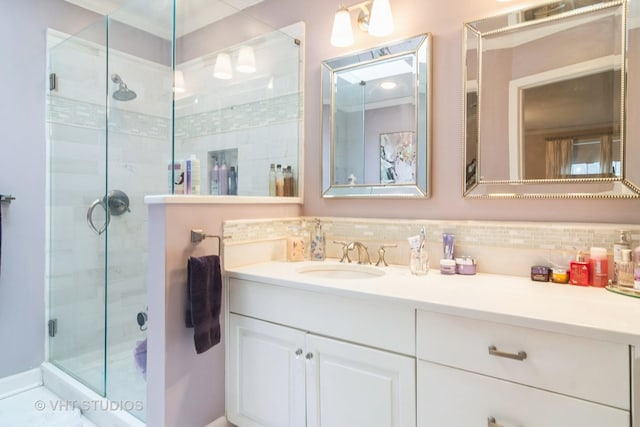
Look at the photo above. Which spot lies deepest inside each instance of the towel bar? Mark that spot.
(6, 198)
(198, 236)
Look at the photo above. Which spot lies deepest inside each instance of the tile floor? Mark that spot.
(39, 407)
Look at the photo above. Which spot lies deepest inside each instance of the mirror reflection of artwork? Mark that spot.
(397, 158)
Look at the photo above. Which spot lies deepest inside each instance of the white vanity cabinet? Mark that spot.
(298, 358)
(477, 373)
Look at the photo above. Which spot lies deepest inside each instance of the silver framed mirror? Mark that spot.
(544, 103)
(375, 121)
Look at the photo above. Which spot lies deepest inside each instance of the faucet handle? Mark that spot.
(381, 252)
(345, 250)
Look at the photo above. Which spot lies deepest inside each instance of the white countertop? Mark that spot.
(575, 310)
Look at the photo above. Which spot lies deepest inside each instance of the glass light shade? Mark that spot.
(381, 20)
(178, 81)
(246, 60)
(342, 33)
(222, 69)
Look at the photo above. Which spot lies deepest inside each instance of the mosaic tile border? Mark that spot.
(506, 235)
(83, 114)
(238, 117)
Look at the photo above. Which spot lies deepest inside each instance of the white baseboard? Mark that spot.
(220, 422)
(18, 383)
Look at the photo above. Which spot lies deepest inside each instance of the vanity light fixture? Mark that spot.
(246, 60)
(222, 68)
(375, 17)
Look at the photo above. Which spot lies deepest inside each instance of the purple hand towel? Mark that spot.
(204, 300)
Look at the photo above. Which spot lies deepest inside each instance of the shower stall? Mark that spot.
(130, 97)
(109, 113)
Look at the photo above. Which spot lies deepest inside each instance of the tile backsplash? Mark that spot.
(499, 247)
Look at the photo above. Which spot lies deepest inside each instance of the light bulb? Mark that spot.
(222, 69)
(246, 60)
(342, 33)
(381, 20)
(178, 81)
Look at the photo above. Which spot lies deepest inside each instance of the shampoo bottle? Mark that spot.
(214, 180)
(233, 182)
(223, 180)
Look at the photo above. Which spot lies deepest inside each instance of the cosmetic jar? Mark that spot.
(447, 266)
(466, 265)
(559, 275)
(540, 273)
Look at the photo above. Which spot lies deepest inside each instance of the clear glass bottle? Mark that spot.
(622, 244)
(625, 269)
(272, 180)
(317, 242)
(279, 181)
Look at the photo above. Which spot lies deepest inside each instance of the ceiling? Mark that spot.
(155, 16)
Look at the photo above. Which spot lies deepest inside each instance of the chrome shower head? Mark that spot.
(123, 93)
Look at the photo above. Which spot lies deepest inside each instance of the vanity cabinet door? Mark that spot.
(266, 374)
(451, 397)
(350, 385)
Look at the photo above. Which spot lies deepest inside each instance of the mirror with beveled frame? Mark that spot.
(375, 121)
(544, 103)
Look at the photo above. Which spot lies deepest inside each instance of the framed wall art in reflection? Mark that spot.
(398, 158)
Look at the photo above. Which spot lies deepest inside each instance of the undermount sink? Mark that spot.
(341, 271)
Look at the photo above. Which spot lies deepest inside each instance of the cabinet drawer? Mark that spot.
(386, 326)
(585, 368)
(449, 397)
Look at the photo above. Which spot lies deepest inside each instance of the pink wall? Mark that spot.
(444, 20)
(185, 389)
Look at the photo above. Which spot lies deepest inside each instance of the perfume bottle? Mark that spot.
(625, 269)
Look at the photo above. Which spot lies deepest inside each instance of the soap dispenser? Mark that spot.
(317, 242)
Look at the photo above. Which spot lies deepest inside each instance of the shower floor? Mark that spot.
(125, 383)
(39, 407)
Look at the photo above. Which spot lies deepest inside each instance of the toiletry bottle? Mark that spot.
(599, 267)
(317, 242)
(213, 180)
(193, 175)
(625, 269)
(295, 246)
(279, 181)
(272, 180)
(579, 271)
(176, 178)
(288, 182)
(618, 247)
(233, 181)
(223, 180)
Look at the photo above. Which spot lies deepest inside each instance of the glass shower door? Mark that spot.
(139, 111)
(77, 166)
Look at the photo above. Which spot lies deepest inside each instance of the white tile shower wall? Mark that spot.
(499, 247)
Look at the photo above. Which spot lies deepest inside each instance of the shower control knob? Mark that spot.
(309, 356)
(142, 319)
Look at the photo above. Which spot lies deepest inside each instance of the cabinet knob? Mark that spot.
(309, 356)
(299, 352)
(491, 422)
(521, 355)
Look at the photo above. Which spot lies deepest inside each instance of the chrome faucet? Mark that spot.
(361, 248)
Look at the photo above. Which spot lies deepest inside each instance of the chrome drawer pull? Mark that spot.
(521, 355)
(491, 422)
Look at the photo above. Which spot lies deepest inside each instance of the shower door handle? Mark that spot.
(98, 202)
